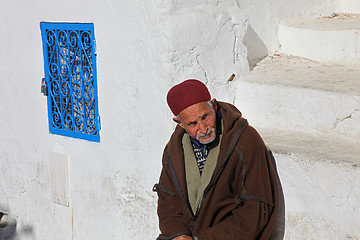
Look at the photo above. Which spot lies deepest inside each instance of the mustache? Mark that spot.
(207, 134)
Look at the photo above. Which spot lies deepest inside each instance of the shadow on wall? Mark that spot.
(8, 228)
(256, 49)
(279, 229)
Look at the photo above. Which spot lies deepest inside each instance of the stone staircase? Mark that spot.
(305, 102)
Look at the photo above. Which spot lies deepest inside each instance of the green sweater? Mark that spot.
(197, 183)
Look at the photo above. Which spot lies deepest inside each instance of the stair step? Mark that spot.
(317, 173)
(292, 93)
(312, 146)
(326, 39)
(320, 195)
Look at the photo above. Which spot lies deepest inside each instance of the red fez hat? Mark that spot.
(186, 94)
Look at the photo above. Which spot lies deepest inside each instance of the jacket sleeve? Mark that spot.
(173, 222)
(255, 213)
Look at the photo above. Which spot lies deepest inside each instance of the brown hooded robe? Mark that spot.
(242, 199)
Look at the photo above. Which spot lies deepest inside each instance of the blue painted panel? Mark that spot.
(70, 73)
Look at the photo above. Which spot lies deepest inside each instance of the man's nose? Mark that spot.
(202, 127)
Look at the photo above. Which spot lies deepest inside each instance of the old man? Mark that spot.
(217, 181)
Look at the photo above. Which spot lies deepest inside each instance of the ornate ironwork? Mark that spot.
(70, 73)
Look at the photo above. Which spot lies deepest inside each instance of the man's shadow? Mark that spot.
(7, 227)
(279, 229)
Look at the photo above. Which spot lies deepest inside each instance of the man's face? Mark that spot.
(199, 120)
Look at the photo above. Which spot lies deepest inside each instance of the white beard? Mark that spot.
(207, 135)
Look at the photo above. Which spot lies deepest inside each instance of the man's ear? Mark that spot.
(175, 119)
(214, 103)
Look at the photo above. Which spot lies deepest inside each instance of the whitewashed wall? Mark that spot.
(111, 181)
(206, 42)
(264, 17)
(213, 27)
(143, 48)
(347, 6)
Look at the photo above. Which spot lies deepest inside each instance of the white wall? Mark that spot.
(347, 6)
(264, 17)
(259, 19)
(110, 181)
(142, 49)
(206, 42)
(320, 197)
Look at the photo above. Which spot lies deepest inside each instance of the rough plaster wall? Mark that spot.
(312, 112)
(322, 197)
(264, 16)
(261, 18)
(206, 42)
(23, 168)
(110, 181)
(347, 6)
(141, 52)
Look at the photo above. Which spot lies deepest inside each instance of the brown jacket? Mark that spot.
(242, 198)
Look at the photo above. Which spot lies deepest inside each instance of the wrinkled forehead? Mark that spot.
(196, 111)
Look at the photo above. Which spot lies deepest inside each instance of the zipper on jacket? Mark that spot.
(157, 187)
(178, 189)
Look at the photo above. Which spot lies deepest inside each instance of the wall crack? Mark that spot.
(350, 116)
(205, 72)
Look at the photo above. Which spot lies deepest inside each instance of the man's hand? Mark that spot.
(183, 238)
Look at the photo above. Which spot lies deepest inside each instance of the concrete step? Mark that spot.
(308, 113)
(292, 93)
(320, 191)
(326, 39)
(349, 6)
(320, 185)
(312, 146)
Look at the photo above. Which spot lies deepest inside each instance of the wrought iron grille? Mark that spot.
(70, 73)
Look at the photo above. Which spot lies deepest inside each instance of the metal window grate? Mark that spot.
(70, 74)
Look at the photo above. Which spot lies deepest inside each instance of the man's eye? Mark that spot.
(205, 117)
